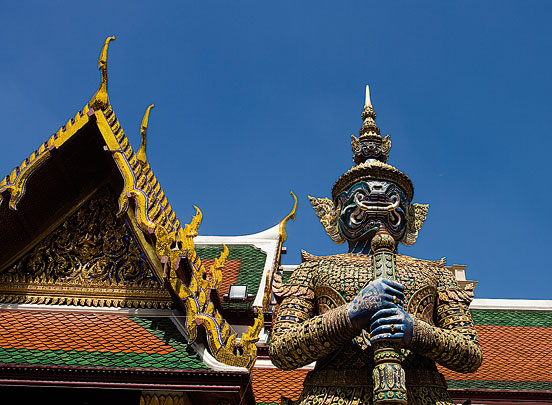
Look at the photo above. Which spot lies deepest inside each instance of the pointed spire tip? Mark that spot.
(367, 102)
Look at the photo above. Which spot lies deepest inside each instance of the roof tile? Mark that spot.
(517, 352)
(269, 384)
(244, 265)
(98, 340)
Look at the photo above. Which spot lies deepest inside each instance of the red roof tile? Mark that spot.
(229, 273)
(75, 331)
(82, 339)
(269, 384)
(511, 353)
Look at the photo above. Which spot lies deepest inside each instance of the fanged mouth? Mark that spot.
(378, 206)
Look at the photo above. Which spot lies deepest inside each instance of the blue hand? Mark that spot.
(379, 294)
(392, 324)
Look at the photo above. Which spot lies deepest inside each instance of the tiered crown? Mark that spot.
(370, 144)
(371, 151)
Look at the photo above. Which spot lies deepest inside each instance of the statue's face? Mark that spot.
(368, 205)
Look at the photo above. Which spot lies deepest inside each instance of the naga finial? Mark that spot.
(141, 154)
(190, 230)
(100, 100)
(291, 215)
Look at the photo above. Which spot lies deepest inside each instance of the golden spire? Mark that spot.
(370, 144)
(141, 154)
(100, 100)
(369, 127)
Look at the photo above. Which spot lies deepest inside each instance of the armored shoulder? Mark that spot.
(299, 284)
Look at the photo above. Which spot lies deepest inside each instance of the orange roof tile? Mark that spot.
(82, 339)
(269, 384)
(511, 353)
(51, 330)
(229, 273)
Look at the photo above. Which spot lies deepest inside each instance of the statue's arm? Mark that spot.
(453, 342)
(300, 337)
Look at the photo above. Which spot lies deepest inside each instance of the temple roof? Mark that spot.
(252, 260)
(91, 153)
(517, 348)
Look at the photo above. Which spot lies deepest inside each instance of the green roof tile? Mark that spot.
(179, 356)
(501, 385)
(512, 318)
(252, 263)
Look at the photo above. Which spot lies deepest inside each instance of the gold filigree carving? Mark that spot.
(386, 144)
(356, 146)
(415, 217)
(163, 398)
(171, 248)
(90, 259)
(218, 266)
(328, 215)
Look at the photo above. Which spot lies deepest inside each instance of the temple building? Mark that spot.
(106, 297)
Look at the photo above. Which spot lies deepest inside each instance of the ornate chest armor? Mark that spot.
(312, 325)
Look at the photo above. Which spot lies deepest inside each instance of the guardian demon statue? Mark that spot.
(375, 321)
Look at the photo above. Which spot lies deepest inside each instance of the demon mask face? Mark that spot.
(369, 205)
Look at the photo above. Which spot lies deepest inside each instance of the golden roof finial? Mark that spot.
(100, 100)
(141, 154)
(291, 215)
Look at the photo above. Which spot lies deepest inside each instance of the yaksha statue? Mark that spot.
(374, 321)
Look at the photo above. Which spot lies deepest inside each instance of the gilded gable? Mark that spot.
(92, 258)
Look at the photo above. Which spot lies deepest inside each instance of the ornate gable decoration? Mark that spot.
(92, 258)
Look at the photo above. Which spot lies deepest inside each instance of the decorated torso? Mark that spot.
(324, 283)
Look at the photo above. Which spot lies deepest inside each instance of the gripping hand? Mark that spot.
(393, 325)
(378, 294)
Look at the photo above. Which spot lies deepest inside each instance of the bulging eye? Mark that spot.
(361, 195)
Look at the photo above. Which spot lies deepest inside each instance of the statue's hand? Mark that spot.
(393, 325)
(378, 294)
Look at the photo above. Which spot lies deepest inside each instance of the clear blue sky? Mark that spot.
(254, 99)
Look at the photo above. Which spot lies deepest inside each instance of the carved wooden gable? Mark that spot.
(91, 259)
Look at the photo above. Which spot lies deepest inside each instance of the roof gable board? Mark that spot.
(92, 258)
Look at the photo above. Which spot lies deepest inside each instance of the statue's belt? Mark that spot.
(363, 378)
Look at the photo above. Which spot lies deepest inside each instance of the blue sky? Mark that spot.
(254, 99)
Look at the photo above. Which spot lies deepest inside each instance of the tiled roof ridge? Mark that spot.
(173, 245)
(15, 182)
(157, 208)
